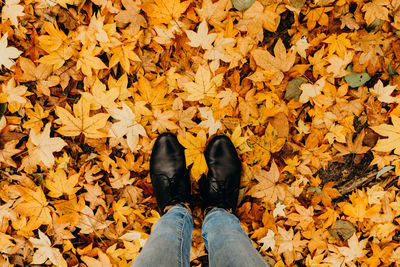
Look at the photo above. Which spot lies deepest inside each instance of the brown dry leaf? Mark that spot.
(279, 63)
(268, 187)
(214, 13)
(303, 217)
(376, 10)
(90, 222)
(262, 147)
(374, 112)
(257, 17)
(8, 152)
(355, 147)
(131, 15)
(326, 194)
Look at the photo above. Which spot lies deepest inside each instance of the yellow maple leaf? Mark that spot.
(81, 123)
(163, 11)
(288, 243)
(123, 54)
(379, 255)
(70, 211)
(194, 148)
(311, 90)
(162, 121)
(336, 132)
(7, 53)
(60, 184)
(318, 240)
(355, 147)
(55, 38)
(339, 64)
(354, 250)
(384, 92)
(339, 44)
(99, 96)
(204, 86)
(240, 142)
(248, 106)
(35, 206)
(184, 117)
(126, 125)
(46, 251)
(5, 241)
(325, 195)
(89, 222)
(210, 122)
(120, 210)
(35, 117)
(202, 38)
(393, 134)
(329, 217)
(56, 44)
(42, 146)
(15, 95)
(316, 261)
(103, 260)
(318, 15)
(150, 94)
(358, 209)
(88, 61)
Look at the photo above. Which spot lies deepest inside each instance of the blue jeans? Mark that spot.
(226, 242)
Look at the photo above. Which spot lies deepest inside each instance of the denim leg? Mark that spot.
(226, 242)
(169, 243)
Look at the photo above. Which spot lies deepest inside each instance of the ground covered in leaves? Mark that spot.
(306, 89)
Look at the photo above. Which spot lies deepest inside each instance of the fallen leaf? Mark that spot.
(81, 122)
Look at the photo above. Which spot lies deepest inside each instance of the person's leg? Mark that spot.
(226, 242)
(169, 243)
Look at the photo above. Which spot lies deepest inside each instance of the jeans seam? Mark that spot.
(180, 258)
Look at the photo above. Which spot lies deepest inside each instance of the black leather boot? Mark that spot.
(221, 186)
(169, 176)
